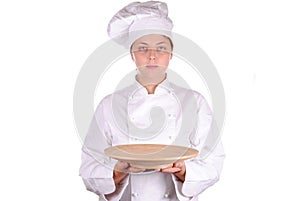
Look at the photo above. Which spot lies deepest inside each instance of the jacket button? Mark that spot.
(166, 195)
(134, 194)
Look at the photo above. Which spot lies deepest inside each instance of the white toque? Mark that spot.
(138, 19)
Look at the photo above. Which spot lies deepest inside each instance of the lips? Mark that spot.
(152, 66)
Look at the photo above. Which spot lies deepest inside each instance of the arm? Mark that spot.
(97, 169)
(192, 177)
(202, 173)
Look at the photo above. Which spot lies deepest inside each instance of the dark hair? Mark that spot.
(171, 42)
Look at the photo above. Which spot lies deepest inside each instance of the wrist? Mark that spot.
(118, 176)
(180, 175)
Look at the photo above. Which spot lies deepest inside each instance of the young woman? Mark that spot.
(145, 29)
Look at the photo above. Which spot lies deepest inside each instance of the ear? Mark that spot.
(132, 56)
(171, 56)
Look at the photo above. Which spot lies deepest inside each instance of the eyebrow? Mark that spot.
(163, 42)
(142, 43)
(159, 43)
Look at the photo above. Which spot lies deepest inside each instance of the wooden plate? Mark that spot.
(150, 156)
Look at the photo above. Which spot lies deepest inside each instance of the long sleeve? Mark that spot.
(97, 169)
(204, 170)
(200, 174)
(203, 173)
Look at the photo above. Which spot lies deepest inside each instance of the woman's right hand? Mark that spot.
(122, 169)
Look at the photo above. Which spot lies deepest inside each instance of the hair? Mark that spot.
(171, 42)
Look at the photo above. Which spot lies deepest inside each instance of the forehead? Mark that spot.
(152, 39)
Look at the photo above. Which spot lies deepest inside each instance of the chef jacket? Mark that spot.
(132, 116)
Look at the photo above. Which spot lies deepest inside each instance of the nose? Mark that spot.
(152, 54)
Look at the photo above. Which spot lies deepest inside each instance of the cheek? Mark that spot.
(164, 60)
(140, 60)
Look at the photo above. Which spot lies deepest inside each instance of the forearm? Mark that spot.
(203, 173)
(199, 175)
(100, 179)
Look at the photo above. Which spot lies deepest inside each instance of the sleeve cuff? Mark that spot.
(119, 190)
(100, 186)
(178, 188)
(195, 182)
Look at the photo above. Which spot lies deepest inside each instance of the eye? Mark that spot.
(143, 49)
(161, 48)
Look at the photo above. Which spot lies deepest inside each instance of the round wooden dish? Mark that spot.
(150, 156)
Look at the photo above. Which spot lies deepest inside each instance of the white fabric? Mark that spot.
(138, 19)
(134, 104)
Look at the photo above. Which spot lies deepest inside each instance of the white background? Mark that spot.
(255, 46)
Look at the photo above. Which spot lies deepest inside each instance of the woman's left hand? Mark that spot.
(178, 170)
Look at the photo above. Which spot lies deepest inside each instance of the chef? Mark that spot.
(152, 110)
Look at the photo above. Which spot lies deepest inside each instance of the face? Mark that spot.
(152, 54)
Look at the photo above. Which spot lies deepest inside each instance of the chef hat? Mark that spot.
(138, 19)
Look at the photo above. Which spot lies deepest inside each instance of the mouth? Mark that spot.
(151, 66)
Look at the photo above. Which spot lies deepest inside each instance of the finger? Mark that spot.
(171, 170)
(136, 170)
(178, 164)
(181, 165)
(121, 166)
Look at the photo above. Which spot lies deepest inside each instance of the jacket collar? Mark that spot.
(163, 88)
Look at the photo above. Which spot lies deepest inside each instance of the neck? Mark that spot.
(150, 85)
(150, 88)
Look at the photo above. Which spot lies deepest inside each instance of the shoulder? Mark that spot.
(187, 93)
(118, 97)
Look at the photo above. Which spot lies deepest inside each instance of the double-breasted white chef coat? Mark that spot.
(172, 115)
